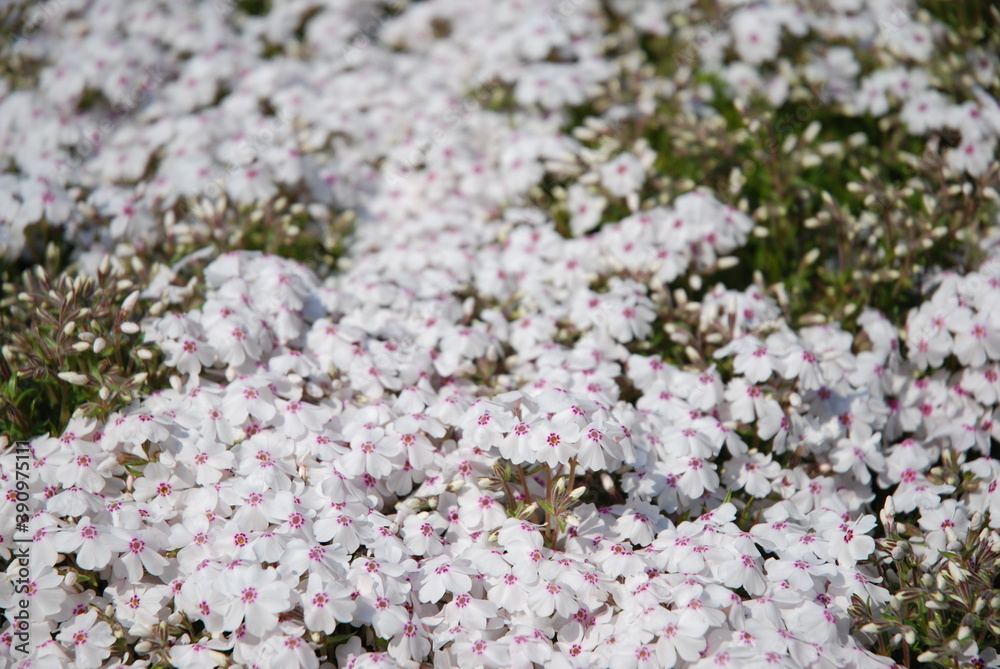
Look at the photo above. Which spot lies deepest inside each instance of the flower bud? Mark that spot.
(99, 344)
(128, 327)
(74, 378)
(130, 301)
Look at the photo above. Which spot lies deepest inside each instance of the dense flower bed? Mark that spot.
(473, 351)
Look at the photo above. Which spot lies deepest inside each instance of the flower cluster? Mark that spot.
(318, 466)
(543, 409)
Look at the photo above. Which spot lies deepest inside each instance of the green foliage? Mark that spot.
(56, 320)
(71, 345)
(943, 601)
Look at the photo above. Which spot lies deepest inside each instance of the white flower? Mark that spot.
(421, 533)
(641, 522)
(188, 355)
(972, 155)
(84, 540)
(443, 574)
(42, 589)
(244, 399)
(157, 481)
(623, 175)
(298, 418)
(138, 606)
(471, 613)
(943, 524)
(206, 459)
(325, 604)
(555, 443)
(139, 552)
(266, 457)
(849, 541)
(976, 338)
(86, 466)
(752, 473)
(585, 209)
(697, 476)
(256, 597)
(859, 452)
(478, 510)
(757, 34)
(89, 639)
(481, 652)
(741, 570)
(679, 636)
(203, 654)
(372, 451)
